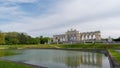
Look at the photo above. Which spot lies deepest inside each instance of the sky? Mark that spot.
(51, 17)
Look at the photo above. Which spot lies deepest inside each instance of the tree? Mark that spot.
(41, 40)
(34, 40)
(118, 39)
(2, 38)
(11, 38)
(21, 38)
(24, 38)
(44, 40)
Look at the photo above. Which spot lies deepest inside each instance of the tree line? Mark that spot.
(117, 39)
(11, 38)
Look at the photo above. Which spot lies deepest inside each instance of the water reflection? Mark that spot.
(61, 58)
(89, 59)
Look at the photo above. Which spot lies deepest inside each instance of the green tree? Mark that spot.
(41, 40)
(11, 38)
(118, 39)
(24, 38)
(44, 40)
(34, 40)
(2, 38)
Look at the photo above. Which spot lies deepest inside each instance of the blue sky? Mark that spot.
(49, 17)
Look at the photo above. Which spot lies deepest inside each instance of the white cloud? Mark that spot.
(11, 12)
(22, 1)
(84, 15)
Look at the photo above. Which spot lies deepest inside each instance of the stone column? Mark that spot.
(98, 36)
(92, 37)
(66, 38)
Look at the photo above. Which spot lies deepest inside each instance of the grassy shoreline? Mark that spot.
(116, 55)
(79, 46)
(10, 64)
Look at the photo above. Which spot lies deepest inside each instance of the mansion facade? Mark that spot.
(74, 36)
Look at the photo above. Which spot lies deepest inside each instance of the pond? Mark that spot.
(60, 58)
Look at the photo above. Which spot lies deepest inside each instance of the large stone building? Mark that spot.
(74, 36)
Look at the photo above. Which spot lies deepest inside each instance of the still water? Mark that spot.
(61, 58)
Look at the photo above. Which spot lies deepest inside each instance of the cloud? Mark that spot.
(20, 1)
(84, 15)
(11, 12)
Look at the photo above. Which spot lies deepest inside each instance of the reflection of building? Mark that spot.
(80, 61)
(75, 36)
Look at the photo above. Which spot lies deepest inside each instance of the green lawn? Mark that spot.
(81, 46)
(116, 55)
(8, 64)
(26, 46)
(6, 53)
(91, 46)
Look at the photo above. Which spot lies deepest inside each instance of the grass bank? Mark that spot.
(9, 64)
(116, 55)
(6, 53)
(26, 46)
(78, 46)
(91, 46)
